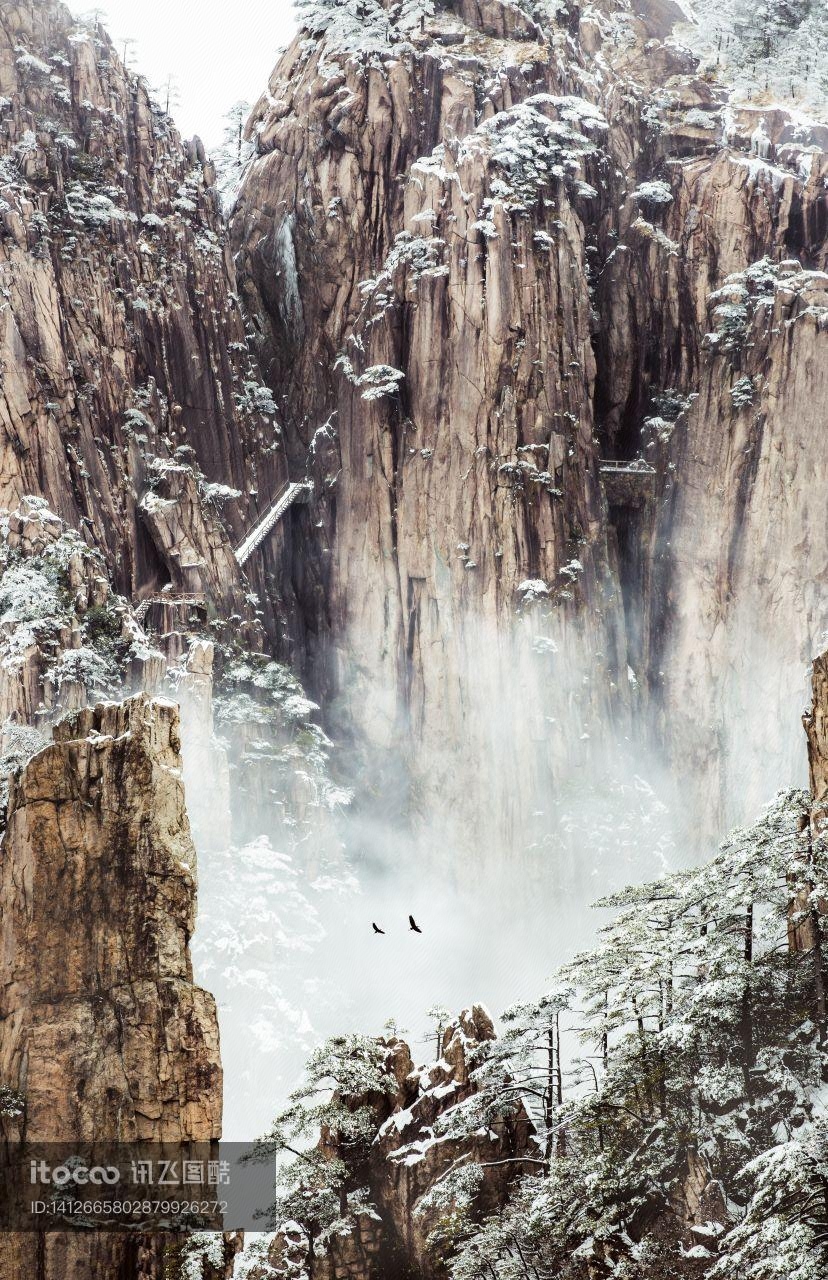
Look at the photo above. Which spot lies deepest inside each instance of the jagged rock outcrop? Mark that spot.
(408, 1158)
(65, 636)
(122, 344)
(103, 1033)
(99, 884)
(481, 251)
(190, 539)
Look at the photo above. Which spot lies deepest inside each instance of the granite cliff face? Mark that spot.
(99, 884)
(450, 427)
(103, 1034)
(485, 252)
(130, 401)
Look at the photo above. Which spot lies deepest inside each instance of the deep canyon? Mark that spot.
(420, 510)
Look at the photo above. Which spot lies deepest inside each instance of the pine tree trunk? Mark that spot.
(559, 1083)
(748, 1047)
(549, 1100)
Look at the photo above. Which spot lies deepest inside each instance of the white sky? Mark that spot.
(219, 51)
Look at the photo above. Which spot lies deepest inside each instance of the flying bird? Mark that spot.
(376, 928)
(415, 928)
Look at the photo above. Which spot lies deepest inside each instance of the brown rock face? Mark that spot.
(121, 339)
(816, 728)
(805, 929)
(410, 1159)
(483, 255)
(741, 557)
(102, 1030)
(428, 320)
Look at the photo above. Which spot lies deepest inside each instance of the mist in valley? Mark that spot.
(569, 804)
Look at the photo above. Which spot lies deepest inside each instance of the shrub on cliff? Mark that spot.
(323, 1138)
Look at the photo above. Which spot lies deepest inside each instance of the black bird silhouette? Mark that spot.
(376, 928)
(415, 928)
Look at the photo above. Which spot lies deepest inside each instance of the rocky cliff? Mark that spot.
(541, 309)
(449, 425)
(412, 1150)
(130, 401)
(103, 1034)
(739, 557)
(490, 247)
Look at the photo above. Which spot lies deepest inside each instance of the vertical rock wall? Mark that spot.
(434, 352)
(483, 255)
(102, 1031)
(128, 399)
(741, 550)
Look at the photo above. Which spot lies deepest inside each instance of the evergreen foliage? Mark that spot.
(686, 1050)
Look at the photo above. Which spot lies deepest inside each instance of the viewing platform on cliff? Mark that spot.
(627, 482)
(168, 600)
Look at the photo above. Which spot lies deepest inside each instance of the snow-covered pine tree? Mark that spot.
(322, 1139)
(523, 1068)
(700, 1019)
(232, 157)
(440, 1016)
(762, 28)
(771, 51)
(413, 14)
(363, 26)
(701, 1044)
(784, 1232)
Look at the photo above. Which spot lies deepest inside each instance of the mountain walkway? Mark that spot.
(296, 491)
(628, 467)
(289, 493)
(195, 598)
(627, 483)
